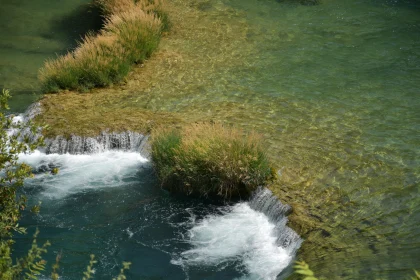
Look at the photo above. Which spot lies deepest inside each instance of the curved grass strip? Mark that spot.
(131, 32)
(210, 160)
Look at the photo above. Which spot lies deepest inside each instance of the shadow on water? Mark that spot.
(410, 4)
(31, 38)
(74, 26)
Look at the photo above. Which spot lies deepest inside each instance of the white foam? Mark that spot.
(16, 120)
(239, 234)
(80, 172)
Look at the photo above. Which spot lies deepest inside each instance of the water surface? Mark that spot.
(109, 204)
(34, 31)
(334, 89)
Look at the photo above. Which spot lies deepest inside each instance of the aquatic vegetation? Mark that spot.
(130, 34)
(304, 2)
(210, 159)
(309, 2)
(85, 117)
(302, 268)
(417, 275)
(338, 170)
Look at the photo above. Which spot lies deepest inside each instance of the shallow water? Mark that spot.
(334, 88)
(344, 77)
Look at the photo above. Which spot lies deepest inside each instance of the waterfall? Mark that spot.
(32, 111)
(126, 141)
(23, 119)
(264, 201)
(251, 235)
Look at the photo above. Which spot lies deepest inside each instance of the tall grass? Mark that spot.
(110, 7)
(210, 159)
(131, 33)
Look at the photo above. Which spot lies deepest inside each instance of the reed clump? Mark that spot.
(131, 32)
(156, 7)
(210, 160)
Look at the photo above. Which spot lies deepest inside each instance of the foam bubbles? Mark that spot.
(238, 235)
(81, 172)
(238, 238)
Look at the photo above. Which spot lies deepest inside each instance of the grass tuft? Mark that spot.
(210, 159)
(131, 32)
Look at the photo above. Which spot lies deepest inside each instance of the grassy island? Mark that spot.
(210, 159)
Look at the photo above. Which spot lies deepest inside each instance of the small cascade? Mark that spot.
(251, 235)
(76, 145)
(264, 201)
(32, 111)
(20, 129)
(250, 238)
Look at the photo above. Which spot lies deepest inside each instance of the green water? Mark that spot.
(349, 73)
(335, 90)
(33, 31)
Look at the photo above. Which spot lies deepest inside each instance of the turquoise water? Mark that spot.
(334, 89)
(110, 204)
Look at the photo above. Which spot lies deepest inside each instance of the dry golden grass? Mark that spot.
(130, 34)
(115, 7)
